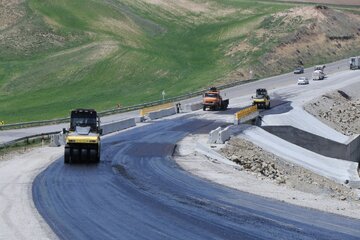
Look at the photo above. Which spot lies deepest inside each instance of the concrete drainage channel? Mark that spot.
(349, 151)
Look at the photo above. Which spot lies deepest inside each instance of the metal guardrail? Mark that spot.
(34, 123)
(27, 139)
(123, 109)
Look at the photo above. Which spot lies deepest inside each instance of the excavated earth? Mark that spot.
(254, 160)
(339, 110)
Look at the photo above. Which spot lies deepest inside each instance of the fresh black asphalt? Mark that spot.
(139, 192)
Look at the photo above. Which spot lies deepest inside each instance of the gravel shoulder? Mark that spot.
(19, 218)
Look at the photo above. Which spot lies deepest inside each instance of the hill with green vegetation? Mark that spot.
(56, 55)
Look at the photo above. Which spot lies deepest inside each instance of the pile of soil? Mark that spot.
(265, 165)
(338, 110)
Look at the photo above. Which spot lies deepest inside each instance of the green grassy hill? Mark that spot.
(56, 55)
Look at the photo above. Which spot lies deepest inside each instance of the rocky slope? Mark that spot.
(338, 110)
(254, 160)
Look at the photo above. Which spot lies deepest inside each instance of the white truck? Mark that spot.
(320, 68)
(354, 63)
(318, 75)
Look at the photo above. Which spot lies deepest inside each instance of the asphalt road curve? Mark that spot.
(139, 192)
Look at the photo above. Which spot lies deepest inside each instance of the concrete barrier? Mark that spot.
(245, 115)
(193, 107)
(55, 140)
(118, 125)
(162, 113)
(59, 139)
(219, 135)
(62, 138)
(353, 148)
(139, 119)
(347, 151)
(224, 135)
(214, 135)
(146, 111)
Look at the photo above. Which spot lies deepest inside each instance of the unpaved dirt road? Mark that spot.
(19, 218)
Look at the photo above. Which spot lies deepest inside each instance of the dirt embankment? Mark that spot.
(338, 110)
(320, 34)
(336, 2)
(307, 36)
(19, 219)
(254, 160)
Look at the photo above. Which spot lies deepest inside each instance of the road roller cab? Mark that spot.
(83, 137)
(262, 99)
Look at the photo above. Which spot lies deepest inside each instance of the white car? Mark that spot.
(303, 80)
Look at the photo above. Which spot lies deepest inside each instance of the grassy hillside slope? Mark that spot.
(56, 55)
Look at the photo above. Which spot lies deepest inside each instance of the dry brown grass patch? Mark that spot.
(11, 12)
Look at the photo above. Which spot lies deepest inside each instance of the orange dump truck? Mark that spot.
(212, 100)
